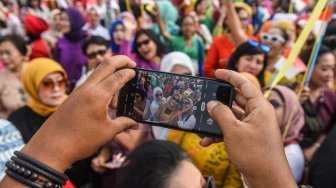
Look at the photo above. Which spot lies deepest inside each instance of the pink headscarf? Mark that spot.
(291, 102)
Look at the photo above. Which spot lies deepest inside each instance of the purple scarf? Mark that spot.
(77, 22)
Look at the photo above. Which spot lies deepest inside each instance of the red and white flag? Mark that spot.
(297, 67)
(322, 22)
(300, 5)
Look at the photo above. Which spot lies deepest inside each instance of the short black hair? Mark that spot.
(98, 40)
(151, 165)
(18, 41)
(247, 49)
(152, 36)
(305, 55)
(141, 92)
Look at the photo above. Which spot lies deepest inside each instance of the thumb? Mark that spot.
(121, 124)
(222, 115)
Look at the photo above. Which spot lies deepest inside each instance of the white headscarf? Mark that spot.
(176, 58)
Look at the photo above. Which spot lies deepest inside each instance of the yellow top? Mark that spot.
(212, 160)
(268, 76)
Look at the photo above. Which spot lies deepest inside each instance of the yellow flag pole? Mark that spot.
(299, 43)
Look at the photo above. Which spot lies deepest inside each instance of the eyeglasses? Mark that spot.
(50, 84)
(262, 47)
(266, 37)
(94, 54)
(158, 95)
(145, 42)
(210, 182)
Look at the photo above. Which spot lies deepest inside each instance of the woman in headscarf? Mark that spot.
(117, 31)
(13, 55)
(186, 119)
(221, 168)
(54, 32)
(35, 26)
(167, 113)
(156, 103)
(287, 104)
(68, 49)
(45, 82)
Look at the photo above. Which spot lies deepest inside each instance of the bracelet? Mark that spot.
(22, 179)
(41, 165)
(38, 170)
(27, 176)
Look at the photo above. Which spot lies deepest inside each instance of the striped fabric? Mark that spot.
(10, 141)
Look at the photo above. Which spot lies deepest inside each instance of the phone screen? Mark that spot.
(173, 101)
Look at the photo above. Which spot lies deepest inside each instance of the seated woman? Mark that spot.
(141, 104)
(319, 103)
(12, 95)
(168, 112)
(221, 168)
(186, 120)
(250, 57)
(284, 101)
(146, 45)
(163, 164)
(45, 82)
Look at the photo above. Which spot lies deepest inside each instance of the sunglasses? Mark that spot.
(145, 42)
(50, 84)
(210, 182)
(158, 95)
(94, 54)
(266, 37)
(137, 96)
(262, 47)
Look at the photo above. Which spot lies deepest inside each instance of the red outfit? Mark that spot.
(218, 55)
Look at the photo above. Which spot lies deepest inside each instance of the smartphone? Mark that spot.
(173, 101)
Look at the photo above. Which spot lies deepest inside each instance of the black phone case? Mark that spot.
(124, 107)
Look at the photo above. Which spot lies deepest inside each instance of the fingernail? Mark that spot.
(211, 105)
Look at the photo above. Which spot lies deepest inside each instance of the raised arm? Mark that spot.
(238, 34)
(160, 23)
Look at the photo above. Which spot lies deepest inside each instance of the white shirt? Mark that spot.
(295, 159)
(98, 31)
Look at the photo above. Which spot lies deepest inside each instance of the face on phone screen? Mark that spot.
(176, 101)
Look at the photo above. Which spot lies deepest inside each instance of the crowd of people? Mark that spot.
(48, 49)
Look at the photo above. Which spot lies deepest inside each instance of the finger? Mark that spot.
(109, 66)
(207, 141)
(239, 99)
(121, 124)
(114, 102)
(222, 115)
(238, 112)
(114, 82)
(247, 88)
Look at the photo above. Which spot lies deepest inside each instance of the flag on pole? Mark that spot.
(297, 67)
